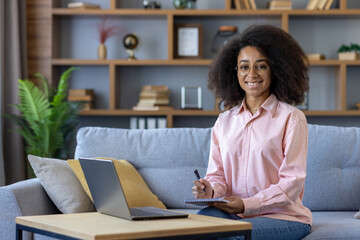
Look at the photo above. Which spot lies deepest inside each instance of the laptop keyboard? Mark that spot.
(142, 212)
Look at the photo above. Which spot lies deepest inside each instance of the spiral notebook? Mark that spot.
(204, 201)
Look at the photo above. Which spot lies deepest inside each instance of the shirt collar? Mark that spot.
(269, 105)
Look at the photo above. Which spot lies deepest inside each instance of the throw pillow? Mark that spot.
(61, 185)
(136, 191)
(357, 215)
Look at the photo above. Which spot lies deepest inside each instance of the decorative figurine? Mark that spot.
(130, 42)
(151, 4)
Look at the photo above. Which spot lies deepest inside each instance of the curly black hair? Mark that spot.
(288, 63)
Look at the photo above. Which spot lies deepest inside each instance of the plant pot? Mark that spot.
(102, 51)
(348, 55)
(180, 4)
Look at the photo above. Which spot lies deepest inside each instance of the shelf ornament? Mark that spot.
(105, 32)
(130, 42)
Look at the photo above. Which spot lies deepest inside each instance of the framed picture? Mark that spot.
(191, 97)
(188, 39)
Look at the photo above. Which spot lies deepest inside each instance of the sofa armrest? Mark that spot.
(21, 199)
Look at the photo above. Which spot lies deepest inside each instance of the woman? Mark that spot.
(258, 148)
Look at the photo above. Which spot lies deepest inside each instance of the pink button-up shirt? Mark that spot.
(261, 158)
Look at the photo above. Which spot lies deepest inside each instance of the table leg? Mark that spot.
(21, 228)
(247, 235)
(18, 233)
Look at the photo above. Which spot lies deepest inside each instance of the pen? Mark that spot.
(197, 175)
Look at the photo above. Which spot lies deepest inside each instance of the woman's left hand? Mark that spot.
(235, 206)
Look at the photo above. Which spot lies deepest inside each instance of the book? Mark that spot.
(154, 101)
(312, 5)
(81, 98)
(238, 4)
(316, 56)
(150, 123)
(141, 123)
(205, 201)
(321, 4)
(133, 123)
(280, 8)
(152, 94)
(246, 4)
(280, 5)
(87, 105)
(161, 122)
(328, 4)
(154, 87)
(83, 5)
(253, 4)
(81, 92)
(152, 108)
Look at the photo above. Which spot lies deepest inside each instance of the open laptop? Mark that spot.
(108, 194)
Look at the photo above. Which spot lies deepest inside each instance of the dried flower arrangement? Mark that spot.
(105, 31)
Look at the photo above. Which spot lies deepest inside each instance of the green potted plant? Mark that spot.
(349, 52)
(46, 119)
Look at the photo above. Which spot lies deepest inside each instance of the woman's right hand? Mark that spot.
(202, 189)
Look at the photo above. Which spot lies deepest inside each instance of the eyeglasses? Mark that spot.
(259, 68)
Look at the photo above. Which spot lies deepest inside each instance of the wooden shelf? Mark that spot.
(209, 113)
(134, 12)
(128, 112)
(48, 62)
(177, 62)
(218, 12)
(333, 113)
(124, 62)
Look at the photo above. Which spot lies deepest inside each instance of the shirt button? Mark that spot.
(246, 145)
(244, 190)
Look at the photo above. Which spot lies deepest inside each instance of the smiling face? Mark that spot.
(254, 74)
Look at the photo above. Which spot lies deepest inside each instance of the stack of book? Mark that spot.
(83, 5)
(280, 5)
(245, 4)
(154, 98)
(319, 4)
(85, 96)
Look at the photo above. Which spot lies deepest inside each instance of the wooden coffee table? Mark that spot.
(100, 226)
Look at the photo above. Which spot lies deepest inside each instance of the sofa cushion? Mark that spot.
(333, 167)
(135, 189)
(61, 184)
(334, 225)
(165, 158)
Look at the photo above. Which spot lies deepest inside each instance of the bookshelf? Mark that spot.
(52, 60)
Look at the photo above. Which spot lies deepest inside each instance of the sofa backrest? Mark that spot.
(333, 169)
(165, 158)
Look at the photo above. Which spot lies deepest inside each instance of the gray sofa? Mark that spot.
(166, 158)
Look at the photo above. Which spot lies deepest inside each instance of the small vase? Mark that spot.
(102, 51)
